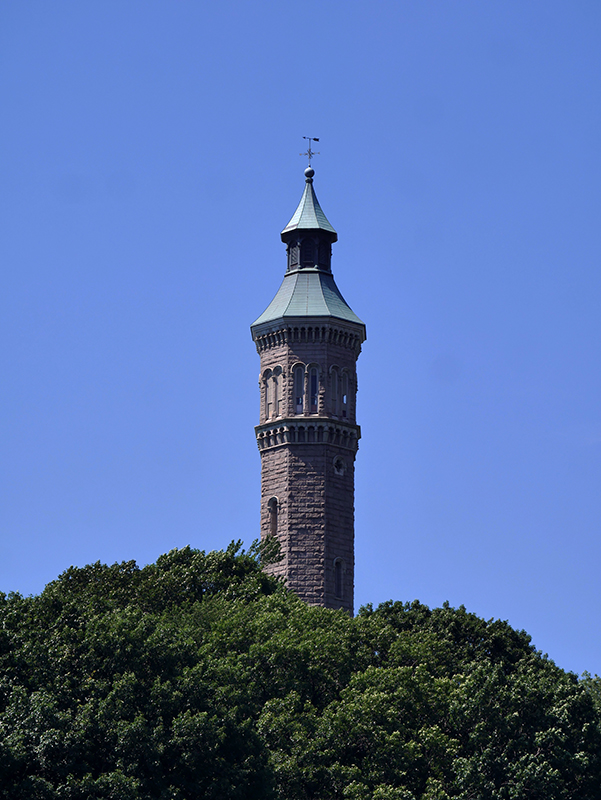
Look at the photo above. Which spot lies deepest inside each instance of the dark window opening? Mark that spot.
(299, 389)
(268, 394)
(307, 252)
(324, 254)
(313, 391)
(272, 505)
(334, 402)
(338, 578)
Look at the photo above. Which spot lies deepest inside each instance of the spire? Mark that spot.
(309, 216)
(308, 290)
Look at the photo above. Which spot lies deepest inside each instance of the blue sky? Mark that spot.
(149, 158)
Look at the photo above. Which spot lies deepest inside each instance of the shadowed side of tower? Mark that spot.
(309, 340)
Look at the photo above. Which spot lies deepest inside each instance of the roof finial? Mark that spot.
(310, 153)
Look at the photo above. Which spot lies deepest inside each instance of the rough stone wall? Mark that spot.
(340, 524)
(313, 483)
(315, 519)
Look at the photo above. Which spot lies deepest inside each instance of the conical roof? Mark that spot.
(308, 215)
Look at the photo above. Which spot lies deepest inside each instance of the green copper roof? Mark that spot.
(308, 215)
(308, 293)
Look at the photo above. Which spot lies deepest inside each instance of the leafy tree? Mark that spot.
(592, 684)
(200, 676)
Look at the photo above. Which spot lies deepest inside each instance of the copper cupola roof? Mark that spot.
(309, 216)
(308, 289)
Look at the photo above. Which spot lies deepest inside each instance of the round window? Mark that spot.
(339, 465)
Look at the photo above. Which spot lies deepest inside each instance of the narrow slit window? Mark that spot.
(299, 389)
(335, 392)
(314, 387)
(338, 578)
(276, 396)
(268, 389)
(272, 506)
(344, 396)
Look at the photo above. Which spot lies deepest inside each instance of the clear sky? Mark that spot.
(149, 158)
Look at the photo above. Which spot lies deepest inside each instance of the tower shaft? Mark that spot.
(309, 340)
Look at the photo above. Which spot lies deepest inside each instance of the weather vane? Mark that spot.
(310, 153)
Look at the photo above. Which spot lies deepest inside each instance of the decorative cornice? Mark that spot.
(307, 331)
(308, 430)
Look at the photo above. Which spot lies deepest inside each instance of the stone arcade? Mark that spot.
(309, 340)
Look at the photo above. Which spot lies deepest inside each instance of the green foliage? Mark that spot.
(592, 684)
(200, 676)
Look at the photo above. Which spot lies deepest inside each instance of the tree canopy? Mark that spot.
(201, 677)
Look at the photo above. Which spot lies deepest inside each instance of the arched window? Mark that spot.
(276, 395)
(299, 389)
(273, 392)
(267, 394)
(334, 400)
(313, 390)
(272, 507)
(269, 400)
(338, 583)
(344, 398)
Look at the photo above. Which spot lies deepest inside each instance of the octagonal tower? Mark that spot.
(309, 340)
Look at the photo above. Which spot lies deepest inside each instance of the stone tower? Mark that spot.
(309, 340)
